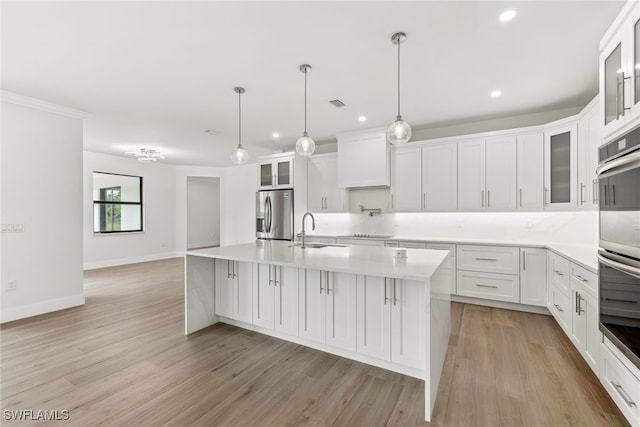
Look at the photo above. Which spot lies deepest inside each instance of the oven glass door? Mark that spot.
(620, 210)
(620, 305)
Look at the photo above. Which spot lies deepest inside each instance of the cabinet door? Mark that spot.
(374, 317)
(407, 323)
(263, 297)
(533, 276)
(560, 152)
(440, 177)
(559, 305)
(471, 175)
(588, 144)
(335, 198)
(315, 184)
(450, 260)
(224, 288)
(634, 67)
(593, 336)
(578, 320)
(283, 170)
(312, 298)
(406, 180)
(244, 291)
(530, 166)
(611, 65)
(501, 173)
(341, 310)
(266, 176)
(286, 302)
(363, 160)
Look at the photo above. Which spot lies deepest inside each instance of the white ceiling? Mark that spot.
(160, 73)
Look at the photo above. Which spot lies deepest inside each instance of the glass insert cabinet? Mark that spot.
(275, 173)
(561, 164)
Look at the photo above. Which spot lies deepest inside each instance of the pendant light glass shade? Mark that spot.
(305, 146)
(239, 156)
(398, 132)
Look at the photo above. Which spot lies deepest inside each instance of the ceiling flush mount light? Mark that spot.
(239, 156)
(507, 15)
(146, 155)
(398, 132)
(305, 145)
(496, 93)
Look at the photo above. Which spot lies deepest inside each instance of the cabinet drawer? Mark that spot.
(585, 277)
(560, 306)
(621, 383)
(559, 272)
(498, 287)
(489, 259)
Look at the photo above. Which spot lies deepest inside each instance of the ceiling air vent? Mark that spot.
(337, 103)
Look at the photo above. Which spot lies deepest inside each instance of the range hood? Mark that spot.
(364, 159)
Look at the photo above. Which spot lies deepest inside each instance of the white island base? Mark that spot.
(357, 302)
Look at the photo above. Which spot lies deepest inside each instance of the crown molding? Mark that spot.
(26, 101)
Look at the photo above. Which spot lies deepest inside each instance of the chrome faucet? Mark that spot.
(313, 225)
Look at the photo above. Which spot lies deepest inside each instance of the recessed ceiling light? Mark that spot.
(496, 93)
(276, 135)
(507, 15)
(362, 119)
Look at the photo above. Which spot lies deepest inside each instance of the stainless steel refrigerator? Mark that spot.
(274, 215)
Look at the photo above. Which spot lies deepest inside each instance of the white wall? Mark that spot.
(203, 212)
(238, 205)
(41, 188)
(158, 241)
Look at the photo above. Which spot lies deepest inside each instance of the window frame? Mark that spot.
(111, 202)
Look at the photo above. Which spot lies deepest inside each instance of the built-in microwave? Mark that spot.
(619, 253)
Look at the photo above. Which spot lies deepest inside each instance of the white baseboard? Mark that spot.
(200, 245)
(30, 310)
(501, 304)
(132, 260)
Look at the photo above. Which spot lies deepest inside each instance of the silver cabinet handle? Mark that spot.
(395, 297)
(486, 286)
(321, 288)
(626, 301)
(546, 191)
(582, 193)
(488, 198)
(558, 307)
(623, 95)
(228, 269)
(594, 196)
(235, 272)
(524, 260)
(558, 273)
(328, 282)
(582, 279)
(482, 192)
(486, 259)
(424, 201)
(391, 200)
(577, 302)
(623, 394)
(521, 197)
(580, 299)
(385, 291)
(276, 269)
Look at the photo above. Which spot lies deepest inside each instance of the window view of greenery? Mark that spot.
(117, 202)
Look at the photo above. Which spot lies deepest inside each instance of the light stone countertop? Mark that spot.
(420, 264)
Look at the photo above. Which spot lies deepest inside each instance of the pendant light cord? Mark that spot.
(398, 78)
(239, 120)
(305, 101)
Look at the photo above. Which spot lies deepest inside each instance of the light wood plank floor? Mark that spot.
(123, 360)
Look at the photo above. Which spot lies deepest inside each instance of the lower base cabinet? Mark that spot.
(533, 276)
(493, 286)
(233, 294)
(621, 380)
(327, 308)
(585, 318)
(275, 296)
(390, 320)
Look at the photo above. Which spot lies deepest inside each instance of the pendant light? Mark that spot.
(305, 145)
(239, 156)
(398, 132)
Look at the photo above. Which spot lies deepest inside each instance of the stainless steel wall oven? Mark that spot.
(619, 253)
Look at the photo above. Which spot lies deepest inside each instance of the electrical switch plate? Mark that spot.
(5, 228)
(13, 285)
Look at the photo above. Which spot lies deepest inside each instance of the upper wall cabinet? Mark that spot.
(530, 159)
(323, 193)
(275, 172)
(406, 180)
(560, 163)
(589, 138)
(487, 174)
(619, 72)
(363, 159)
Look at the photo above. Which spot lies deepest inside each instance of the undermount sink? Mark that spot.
(316, 245)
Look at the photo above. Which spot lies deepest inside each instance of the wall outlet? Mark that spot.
(13, 228)
(528, 224)
(13, 285)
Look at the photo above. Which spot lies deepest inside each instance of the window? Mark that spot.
(117, 203)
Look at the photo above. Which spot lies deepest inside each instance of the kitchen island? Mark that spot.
(358, 302)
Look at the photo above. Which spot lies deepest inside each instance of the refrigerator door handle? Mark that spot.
(267, 214)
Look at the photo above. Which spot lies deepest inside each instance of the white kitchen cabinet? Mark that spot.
(487, 174)
(363, 159)
(588, 144)
(275, 293)
(490, 259)
(327, 313)
(451, 262)
(406, 180)
(493, 286)
(622, 380)
(585, 333)
(440, 177)
(530, 171)
(276, 172)
(501, 173)
(471, 175)
(560, 167)
(558, 293)
(323, 193)
(233, 289)
(391, 320)
(533, 276)
(619, 85)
